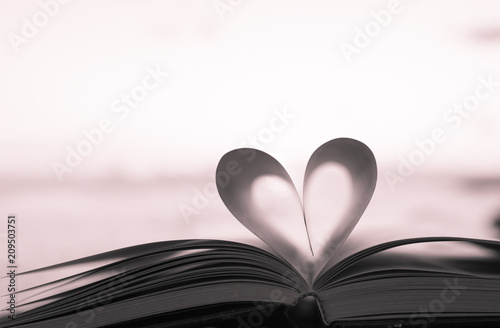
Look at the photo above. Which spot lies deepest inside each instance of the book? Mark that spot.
(294, 281)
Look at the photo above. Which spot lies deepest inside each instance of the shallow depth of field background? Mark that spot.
(227, 79)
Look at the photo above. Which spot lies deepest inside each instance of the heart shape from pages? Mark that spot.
(329, 227)
(258, 191)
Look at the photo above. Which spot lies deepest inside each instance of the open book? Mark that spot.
(306, 278)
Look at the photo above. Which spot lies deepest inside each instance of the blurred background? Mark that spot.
(114, 114)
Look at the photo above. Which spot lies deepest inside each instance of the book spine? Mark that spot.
(307, 311)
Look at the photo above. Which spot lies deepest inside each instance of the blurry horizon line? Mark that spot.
(197, 175)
